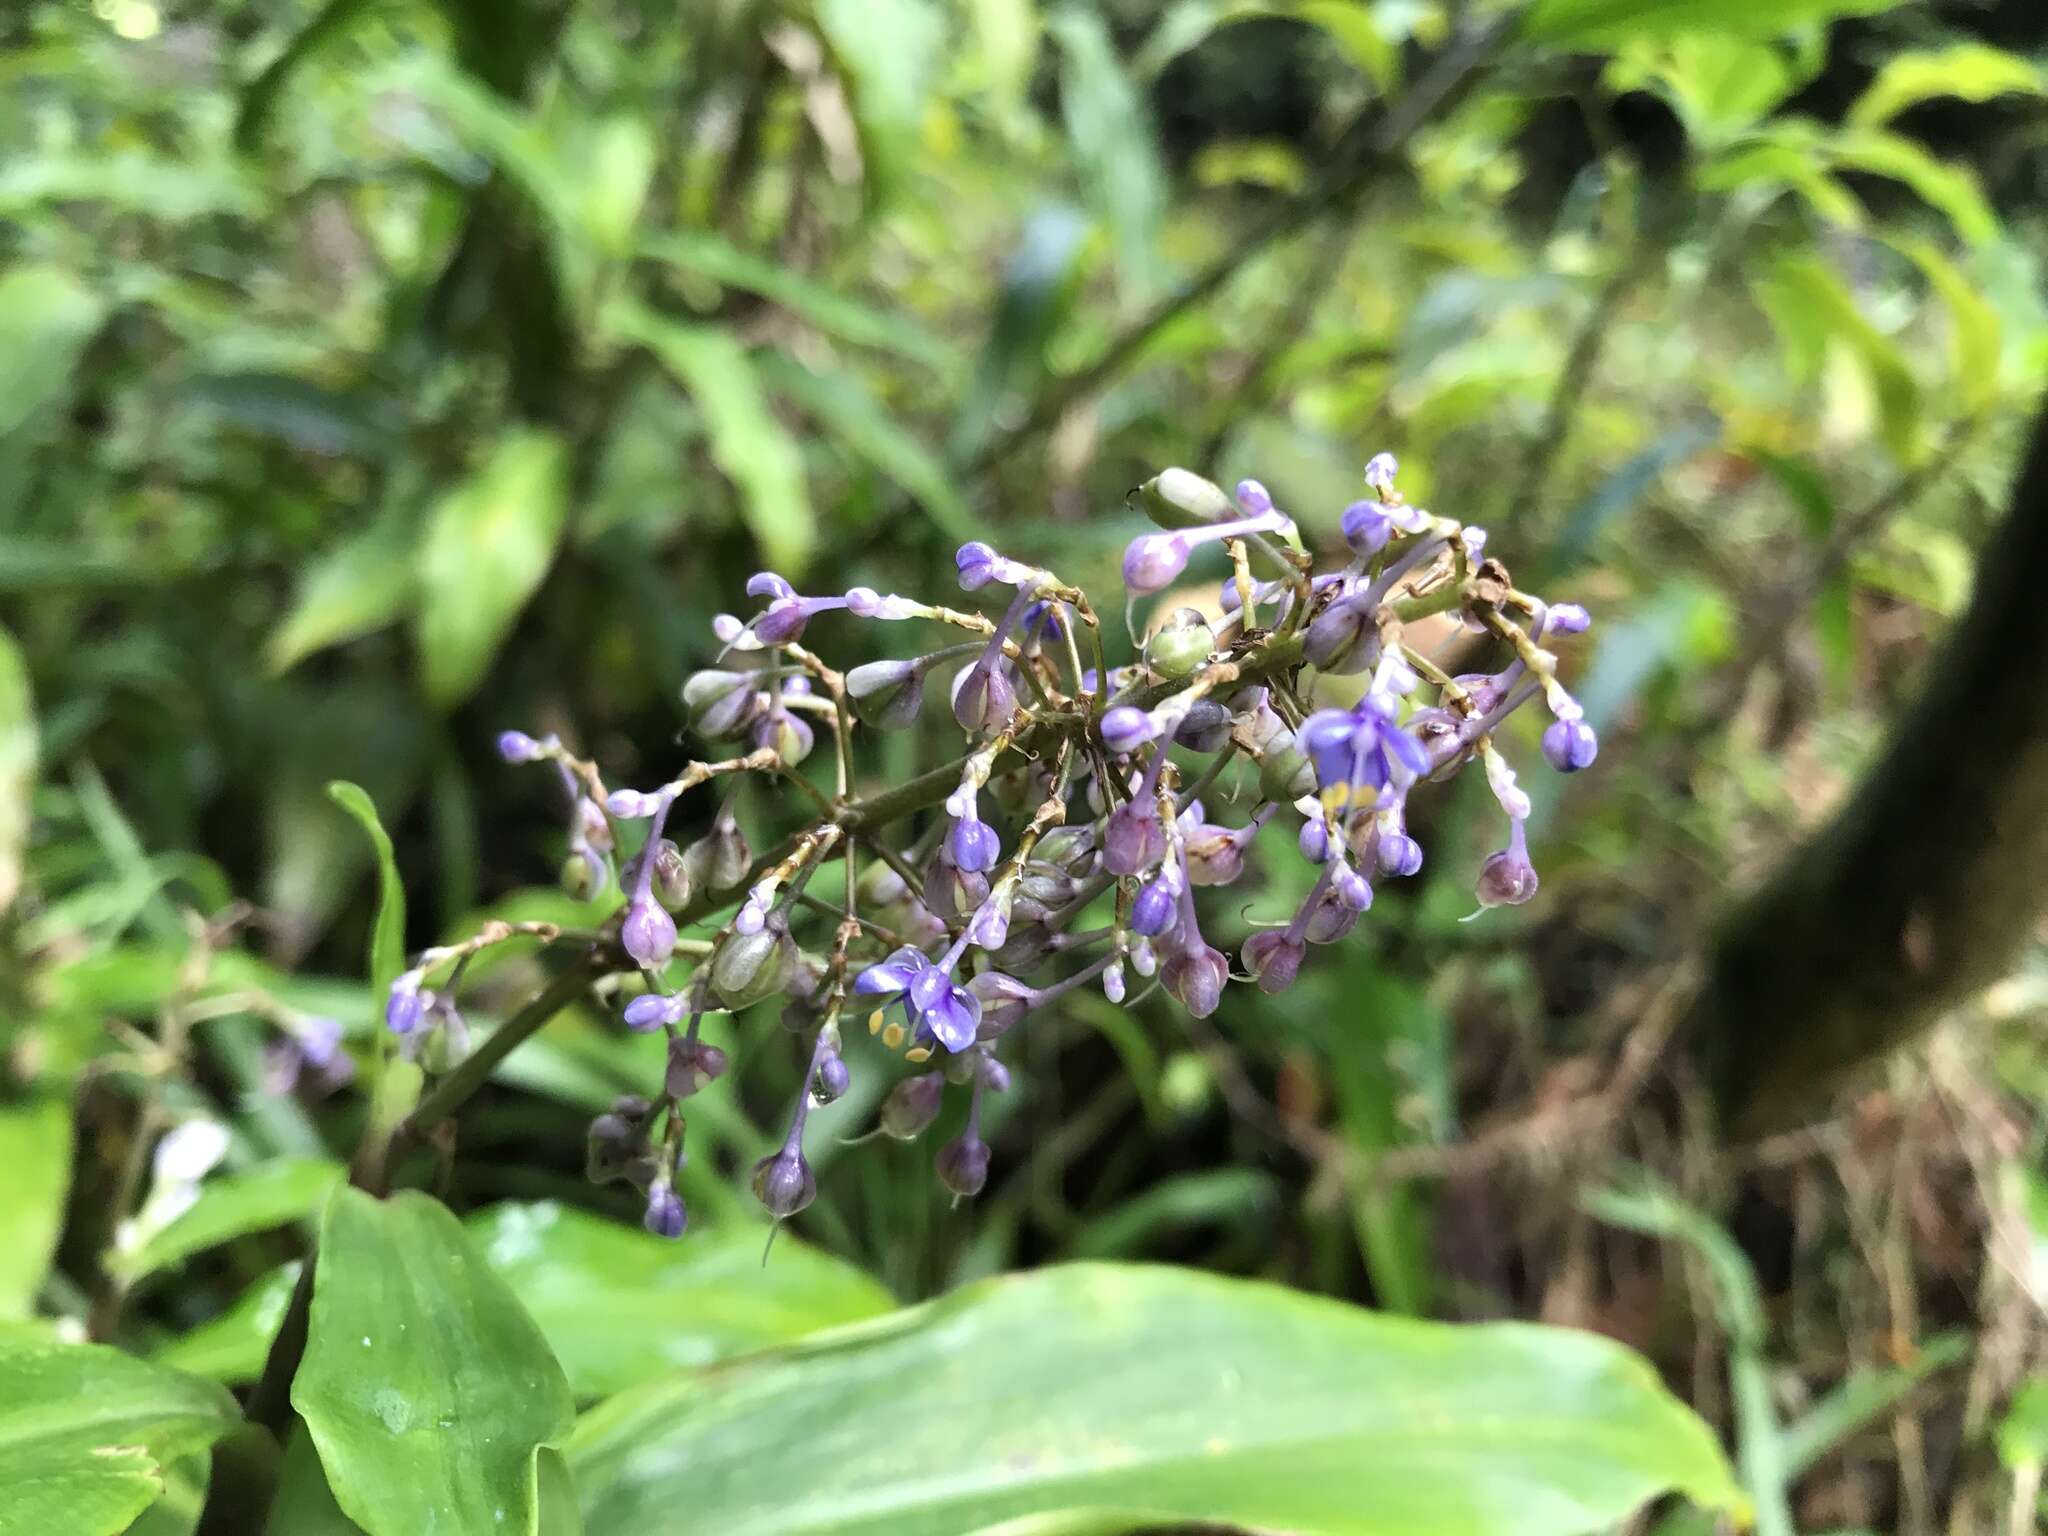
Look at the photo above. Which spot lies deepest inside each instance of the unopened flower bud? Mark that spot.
(1399, 854)
(1153, 560)
(1343, 639)
(1569, 745)
(648, 933)
(691, 1065)
(1152, 912)
(912, 1105)
(721, 704)
(1366, 527)
(1127, 728)
(665, 1216)
(518, 747)
(1274, 959)
(1132, 841)
(670, 881)
(963, 1166)
(611, 1142)
(888, 695)
(1506, 879)
(784, 1183)
(749, 967)
(983, 698)
(1185, 641)
(719, 859)
(1205, 727)
(1196, 977)
(406, 1004)
(830, 1082)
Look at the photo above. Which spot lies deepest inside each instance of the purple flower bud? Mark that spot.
(612, 1140)
(718, 860)
(1126, 728)
(1566, 619)
(995, 1077)
(1399, 854)
(518, 747)
(1350, 888)
(1367, 527)
(1132, 841)
(1380, 470)
(1215, 855)
(983, 698)
(665, 1214)
(781, 621)
(670, 881)
(1314, 840)
(1196, 977)
(1153, 560)
(631, 804)
(1343, 639)
(973, 844)
(722, 704)
(1507, 878)
(784, 1183)
(648, 933)
(912, 1105)
(976, 563)
(1329, 920)
(963, 1166)
(769, 585)
(406, 1005)
(1205, 727)
(830, 1082)
(1152, 913)
(1569, 745)
(1254, 498)
(1274, 958)
(650, 1011)
(887, 694)
(691, 1064)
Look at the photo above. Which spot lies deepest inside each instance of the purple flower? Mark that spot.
(1569, 745)
(1254, 498)
(979, 564)
(1127, 727)
(784, 1183)
(651, 1010)
(937, 1007)
(1360, 749)
(1196, 976)
(1564, 619)
(1399, 854)
(1344, 638)
(1380, 470)
(1367, 527)
(1132, 840)
(406, 1005)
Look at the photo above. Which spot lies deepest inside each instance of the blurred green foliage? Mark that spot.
(374, 376)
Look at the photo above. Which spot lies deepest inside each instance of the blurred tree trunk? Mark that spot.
(1924, 885)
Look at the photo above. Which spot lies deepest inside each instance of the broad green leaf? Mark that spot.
(619, 1306)
(1782, 156)
(1973, 326)
(856, 421)
(426, 1388)
(748, 441)
(85, 1432)
(1359, 36)
(176, 1512)
(46, 318)
(891, 51)
(18, 751)
(1608, 23)
(255, 1200)
(1719, 85)
(387, 929)
(1110, 135)
(35, 1149)
(825, 307)
(1153, 1394)
(1950, 189)
(1968, 71)
(353, 589)
(617, 163)
(488, 543)
(303, 1504)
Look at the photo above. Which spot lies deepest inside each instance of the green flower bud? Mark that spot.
(1182, 645)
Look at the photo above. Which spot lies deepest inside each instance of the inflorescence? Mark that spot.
(1069, 804)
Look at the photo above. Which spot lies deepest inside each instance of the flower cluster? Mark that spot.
(1065, 846)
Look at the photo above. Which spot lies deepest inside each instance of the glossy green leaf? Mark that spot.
(1967, 71)
(86, 1431)
(231, 1347)
(816, 303)
(619, 1306)
(488, 543)
(387, 929)
(748, 441)
(840, 403)
(18, 751)
(35, 1149)
(426, 1388)
(46, 318)
(303, 1504)
(1110, 134)
(1607, 23)
(255, 1200)
(359, 586)
(1155, 1394)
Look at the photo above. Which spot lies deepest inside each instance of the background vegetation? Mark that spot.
(378, 374)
